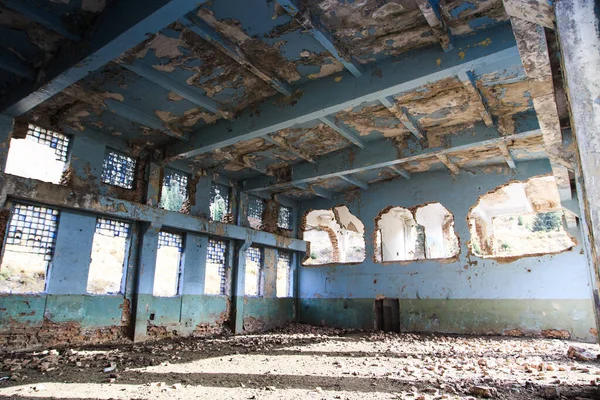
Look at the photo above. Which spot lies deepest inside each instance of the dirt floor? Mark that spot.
(303, 362)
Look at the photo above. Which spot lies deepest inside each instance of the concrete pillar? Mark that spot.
(72, 254)
(6, 129)
(86, 158)
(148, 248)
(579, 35)
(154, 185)
(269, 273)
(239, 286)
(194, 264)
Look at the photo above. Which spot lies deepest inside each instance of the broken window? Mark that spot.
(426, 232)
(219, 203)
(335, 236)
(517, 219)
(29, 247)
(118, 169)
(174, 190)
(168, 264)
(284, 265)
(42, 155)
(284, 218)
(401, 238)
(216, 267)
(438, 228)
(254, 272)
(109, 248)
(256, 209)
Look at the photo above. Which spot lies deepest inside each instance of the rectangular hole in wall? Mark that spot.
(256, 209)
(284, 264)
(387, 315)
(29, 247)
(284, 218)
(168, 264)
(216, 267)
(174, 192)
(41, 155)
(118, 169)
(219, 203)
(254, 271)
(107, 265)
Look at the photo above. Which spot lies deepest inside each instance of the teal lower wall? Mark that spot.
(267, 313)
(466, 316)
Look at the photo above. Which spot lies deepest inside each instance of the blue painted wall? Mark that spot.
(470, 295)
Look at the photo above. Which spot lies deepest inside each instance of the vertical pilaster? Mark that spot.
(86, 159)
(239, 286)
(201, 207)
(154, 184)
(194, 264)
(6, 130)
(148, 248)
(69, 270)
(579, 35)
(270, 273)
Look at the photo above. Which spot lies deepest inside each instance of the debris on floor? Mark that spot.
(301, 361)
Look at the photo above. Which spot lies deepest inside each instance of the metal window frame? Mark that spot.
(181, 259)
(261, 271)
(290, 256)
(188, 178)
(223, 289)
(128, 240)
(49, 262)
(290, 226)
(214, 185)
(65, 151)
(106, 180)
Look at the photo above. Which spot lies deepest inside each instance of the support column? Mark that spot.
(270, 273)
(194, 264)
(145, 279)
(579, 35)
(68, 273)
(239, 287)
(6, 130)
(87, 157)
(154, 185)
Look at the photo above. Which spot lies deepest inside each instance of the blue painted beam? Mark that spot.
(293, 7)
(328, 96)
(402, 114)
(188, 92)
(433, 14)
(281, 142)
(11, 63)
(382, 154)
(122, 25)
(36, 13)
(142, 118)
(400, 171)
(354, 181)
(326, 194)
(208, 33)
(344, 131)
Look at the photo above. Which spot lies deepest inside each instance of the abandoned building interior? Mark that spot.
(178, 169)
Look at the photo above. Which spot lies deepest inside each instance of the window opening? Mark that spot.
(109, 248)
(284, 218)
(216, 267)
(219, 203)
(284, 265)
(335, 236)
(254, 272)
(118, 169)
(30, 242)
(519, 219)
(256, 209)
(438, 226)
(41, 155)
(174, 190)
(168, 264)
